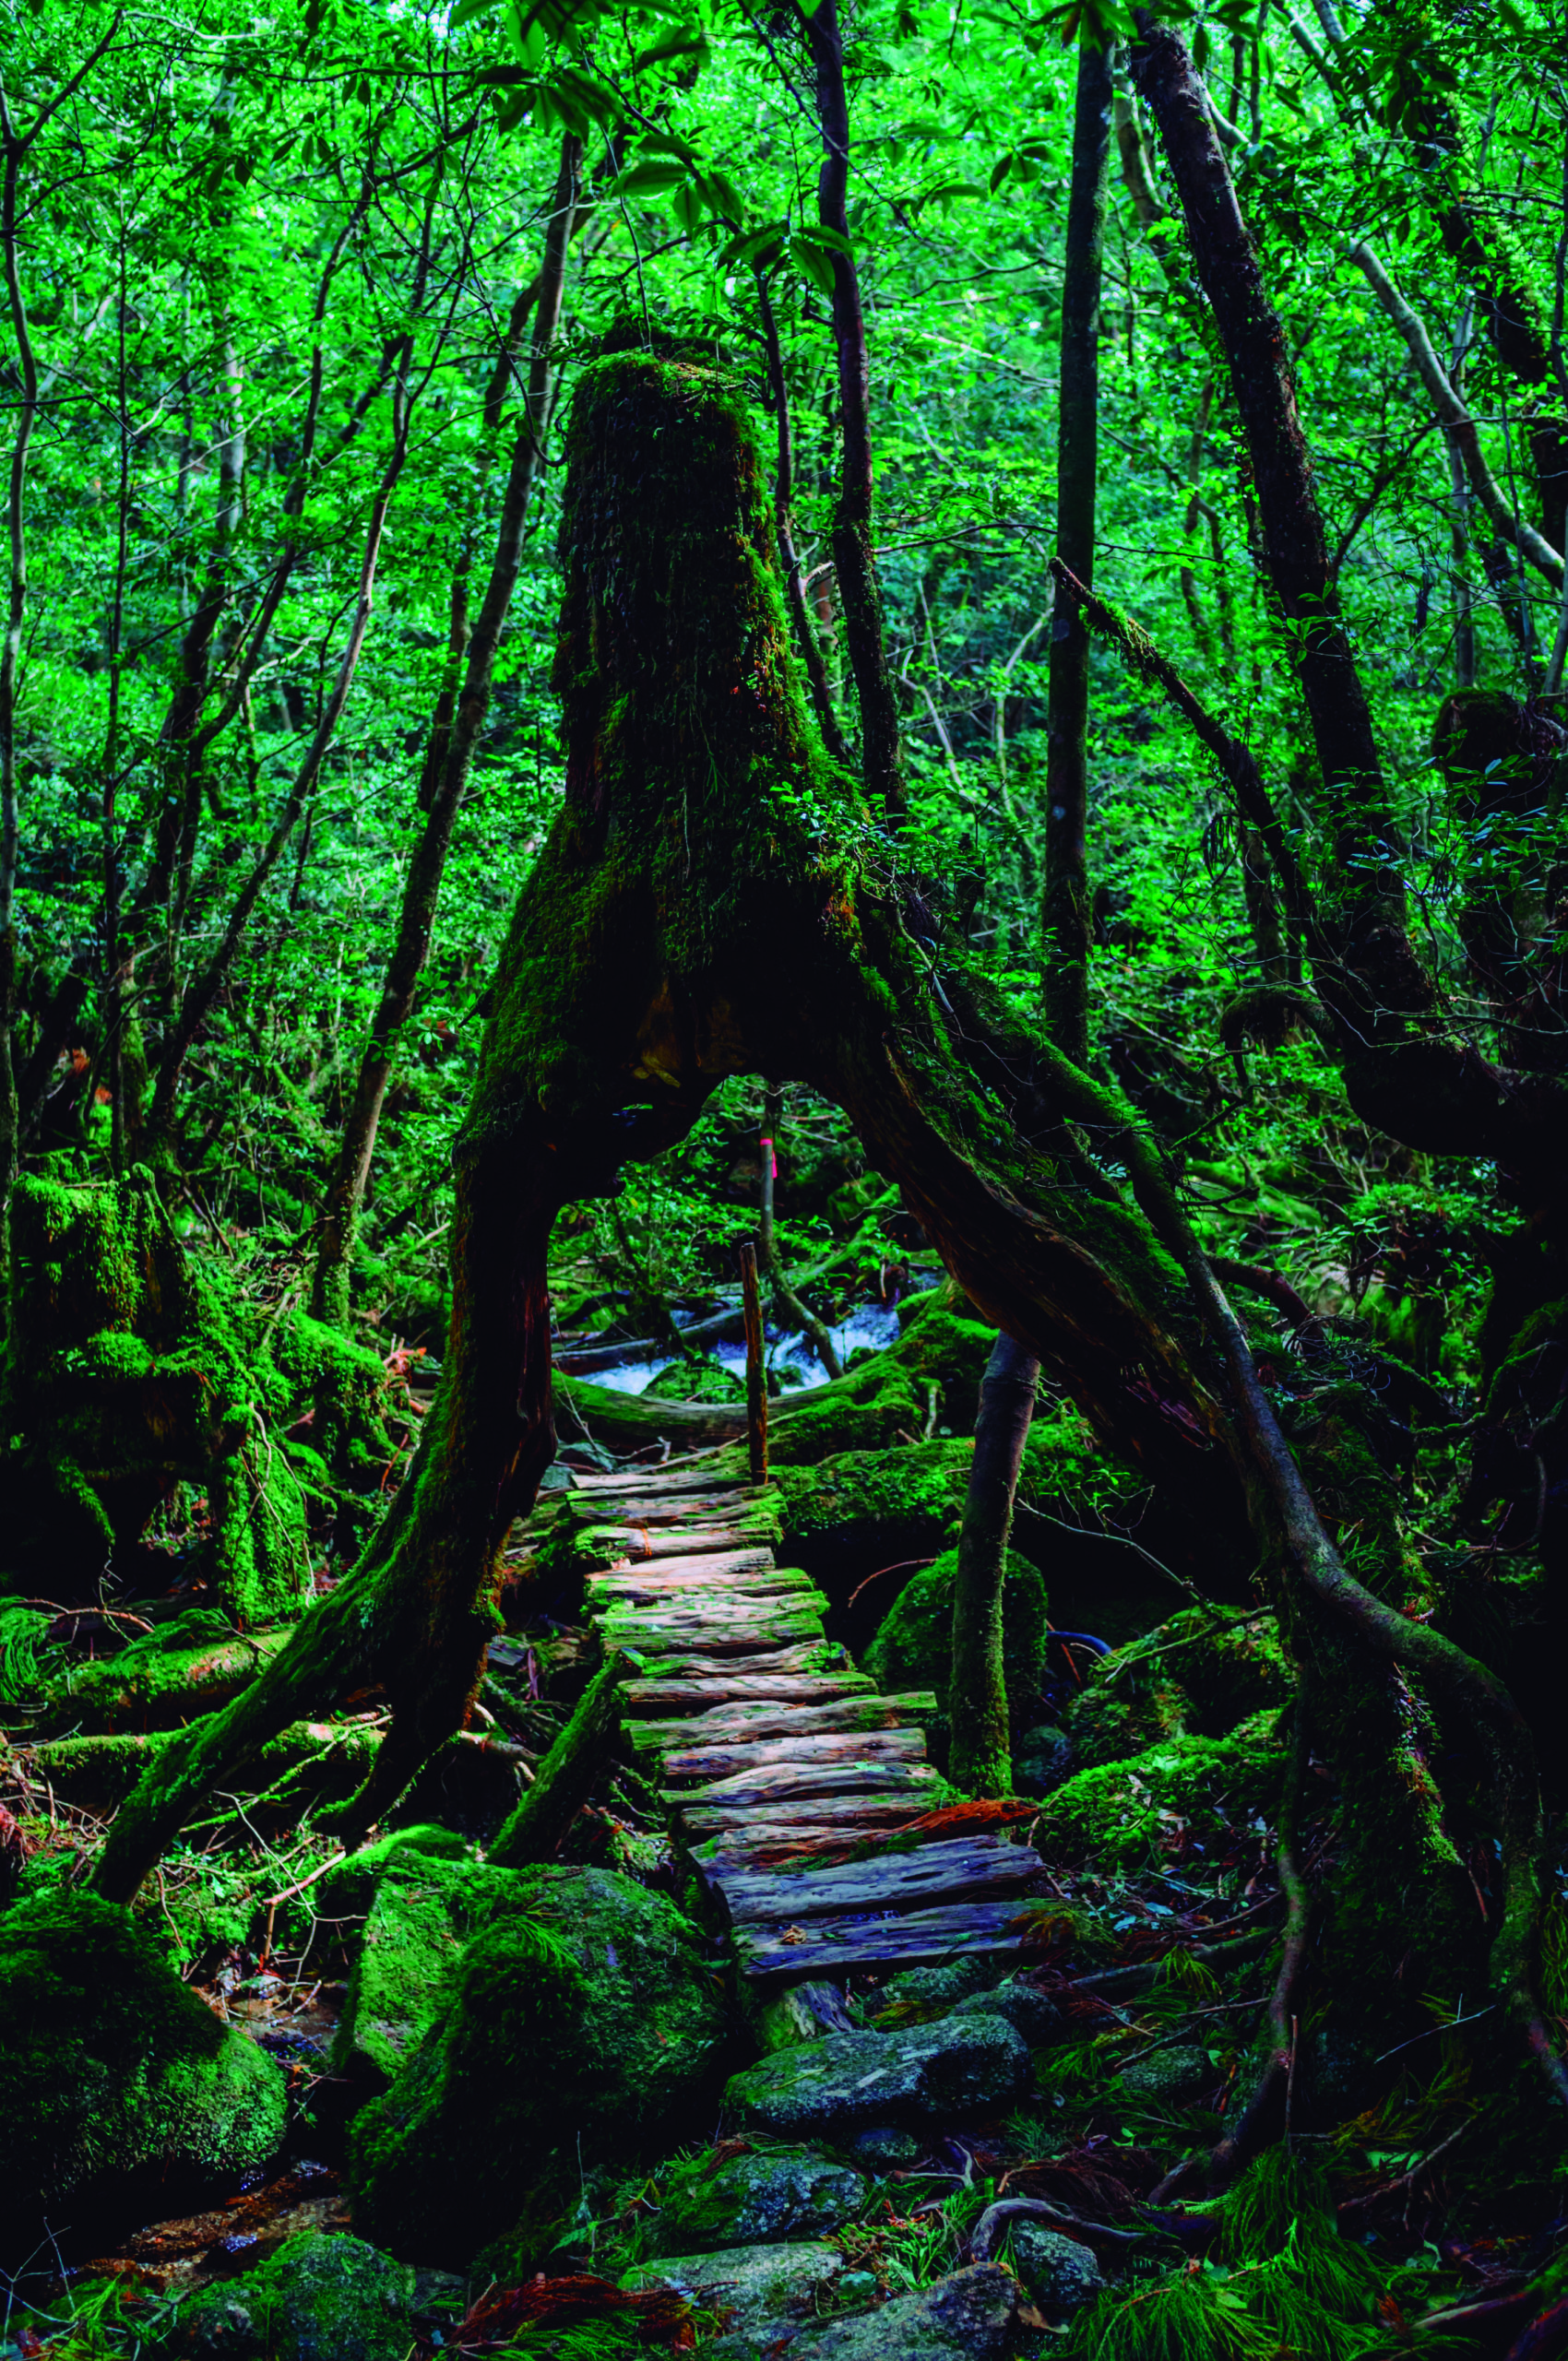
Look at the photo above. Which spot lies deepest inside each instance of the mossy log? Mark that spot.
(563, 1780)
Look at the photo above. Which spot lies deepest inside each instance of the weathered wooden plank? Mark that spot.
(715, 1566)
(967, 1869)
(808, 1656)
(741, 1833)
(713, 1642)
(639, 1545)
(833, 1946)
(773, 1782)
(717, 1624)
(650, 1480)
(790, 1719)
(635, 1583)
(719, 1760)
(661, 1697)
(657, 1509)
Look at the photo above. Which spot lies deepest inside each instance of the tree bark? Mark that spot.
(784, 1295)
(345, 1192)
(198, 1000)
(806, 639)
(980, 1756)
(854, 555)
(1066, 915)
(1403, 1070)
(560, 1785)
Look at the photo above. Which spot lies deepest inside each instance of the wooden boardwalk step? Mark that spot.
(966, 1869)
(722, 1759)
(715, 1830)
(676, 1696)
(630, 1585)
(636, 1544)
(699, 1507)
(776, 1624)
(644, 1483)
(781, 1720)
(832, 1947)
(765, 1739)
(715, 1567)
(773, 1783)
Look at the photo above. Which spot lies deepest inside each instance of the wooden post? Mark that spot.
(756, 1383)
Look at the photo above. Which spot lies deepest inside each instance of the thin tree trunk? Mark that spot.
(1066, 916)
(10, 655)
(1265, 395)
(784, 1296)
(980, 1753)
(977, 1697)
(198, 1000)
(806, 639)
(853, 553)
(345, 1191)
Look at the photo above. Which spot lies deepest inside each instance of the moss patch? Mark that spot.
(109, 2064)
(606, 2030)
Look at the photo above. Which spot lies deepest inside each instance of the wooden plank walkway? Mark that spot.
(766, 1745)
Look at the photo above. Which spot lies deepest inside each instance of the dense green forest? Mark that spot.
(784, 787)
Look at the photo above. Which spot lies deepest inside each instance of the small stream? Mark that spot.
(872, 1325)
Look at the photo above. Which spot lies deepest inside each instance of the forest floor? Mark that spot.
(760, 2102)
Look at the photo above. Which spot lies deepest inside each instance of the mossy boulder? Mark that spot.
(701, 1380)
(110, 2067)
(426, 1899)
(317, 2299)
(913, 1647)
(1201, 1673)
(581, 2016)
(973, 2315)
(1042, 1758)
(134, 1364)
(910, 1497)
(755, 2200)
(765, 2295)
(917, 2078)
(1059, 2274)
(1187, 1793)
(1170, 2078)
(1123, 1708)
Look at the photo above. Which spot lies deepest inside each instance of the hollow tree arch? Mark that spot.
(714, 899)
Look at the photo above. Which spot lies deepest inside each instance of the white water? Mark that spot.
(870, 1324)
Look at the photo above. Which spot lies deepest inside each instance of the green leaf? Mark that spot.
(811, 261)
(678, 45)
(656, 173)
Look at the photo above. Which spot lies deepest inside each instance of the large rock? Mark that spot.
(421, 1910)
(913, 1647)
(770, 2293)
(1060, 2273)
(1029, 2013)
(110, 2065)
(973, 2316)
(923, 2075)
(1169, 2077)
(581, 2016)
(317, 2299)
(755, 2201)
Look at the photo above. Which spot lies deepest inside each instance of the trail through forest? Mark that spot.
(783, 1102)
